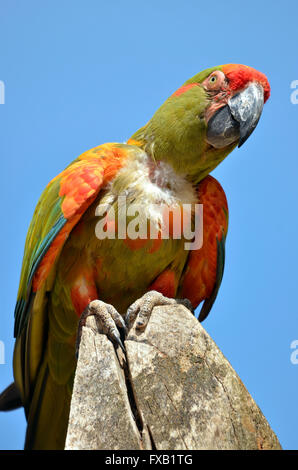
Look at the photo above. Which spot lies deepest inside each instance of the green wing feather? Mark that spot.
(59, 209)
(46, 223)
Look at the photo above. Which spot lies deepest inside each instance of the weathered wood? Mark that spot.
(100, 415)
(174, 390)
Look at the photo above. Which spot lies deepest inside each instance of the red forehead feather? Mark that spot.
(240, 75)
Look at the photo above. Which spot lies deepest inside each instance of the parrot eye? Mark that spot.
(215, 81)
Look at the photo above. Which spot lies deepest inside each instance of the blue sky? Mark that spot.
(81, 73)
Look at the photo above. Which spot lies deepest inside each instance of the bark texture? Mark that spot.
(173, 390)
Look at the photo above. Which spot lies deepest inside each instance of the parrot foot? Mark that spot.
(109, 320)
(143, 307)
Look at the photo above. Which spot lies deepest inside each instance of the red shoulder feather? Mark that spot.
(201, 273)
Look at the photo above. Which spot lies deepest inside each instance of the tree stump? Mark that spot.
(173, 390)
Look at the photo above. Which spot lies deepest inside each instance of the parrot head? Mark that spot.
(205, 119)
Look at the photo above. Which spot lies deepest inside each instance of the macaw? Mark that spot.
(68, 271)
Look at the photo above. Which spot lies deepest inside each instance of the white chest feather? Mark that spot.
(152, 186)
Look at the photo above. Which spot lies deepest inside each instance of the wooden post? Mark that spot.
(173, 390)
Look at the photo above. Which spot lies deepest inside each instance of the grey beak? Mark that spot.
(238, 119)
(246, 108)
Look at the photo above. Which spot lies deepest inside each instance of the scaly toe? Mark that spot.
(142, 308)
(109, 319)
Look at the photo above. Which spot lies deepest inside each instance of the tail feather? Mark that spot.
(48, 413)
(10, 398)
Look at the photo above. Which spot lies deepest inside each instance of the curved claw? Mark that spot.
(115, 336)
(187, 303)
(109, 320)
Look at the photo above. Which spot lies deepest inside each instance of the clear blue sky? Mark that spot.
(81, 73)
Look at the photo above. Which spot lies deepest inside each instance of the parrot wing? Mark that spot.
(204, 269)
(59, 209)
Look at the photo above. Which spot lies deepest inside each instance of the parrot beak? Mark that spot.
(238, 119)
